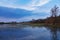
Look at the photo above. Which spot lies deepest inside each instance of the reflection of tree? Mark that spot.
(54, 32)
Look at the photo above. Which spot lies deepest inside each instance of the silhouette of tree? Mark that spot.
(54, 11)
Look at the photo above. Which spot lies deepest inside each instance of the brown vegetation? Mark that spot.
(54, 19)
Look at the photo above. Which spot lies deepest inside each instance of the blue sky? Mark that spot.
(33, 9)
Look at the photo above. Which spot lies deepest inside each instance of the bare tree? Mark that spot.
(54, 11)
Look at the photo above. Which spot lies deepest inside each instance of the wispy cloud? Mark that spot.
(4, 19)
(39, 2)
(29, 6)
(22, 19)
(35, 6)
(28, 18)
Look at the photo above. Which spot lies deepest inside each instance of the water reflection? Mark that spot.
(54, 32)
(26, 32)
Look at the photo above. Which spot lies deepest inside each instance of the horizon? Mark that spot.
(26, 10)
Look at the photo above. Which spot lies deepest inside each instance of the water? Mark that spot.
(26, 32)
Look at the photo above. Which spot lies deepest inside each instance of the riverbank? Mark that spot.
(40, 24)
(34, 24)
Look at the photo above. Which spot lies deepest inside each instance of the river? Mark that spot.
(28, 32)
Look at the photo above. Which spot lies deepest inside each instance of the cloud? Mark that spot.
(22, 19)
(29, 18)
(32, 5)
(39, 2)
(3, 19)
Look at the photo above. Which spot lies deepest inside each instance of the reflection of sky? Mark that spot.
(58, 33)
(39, 34)
(27, 33)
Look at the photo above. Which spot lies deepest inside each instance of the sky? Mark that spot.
(25, 10)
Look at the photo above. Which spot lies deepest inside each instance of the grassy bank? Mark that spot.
(40, 24)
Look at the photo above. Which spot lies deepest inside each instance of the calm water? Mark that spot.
(26, 32)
